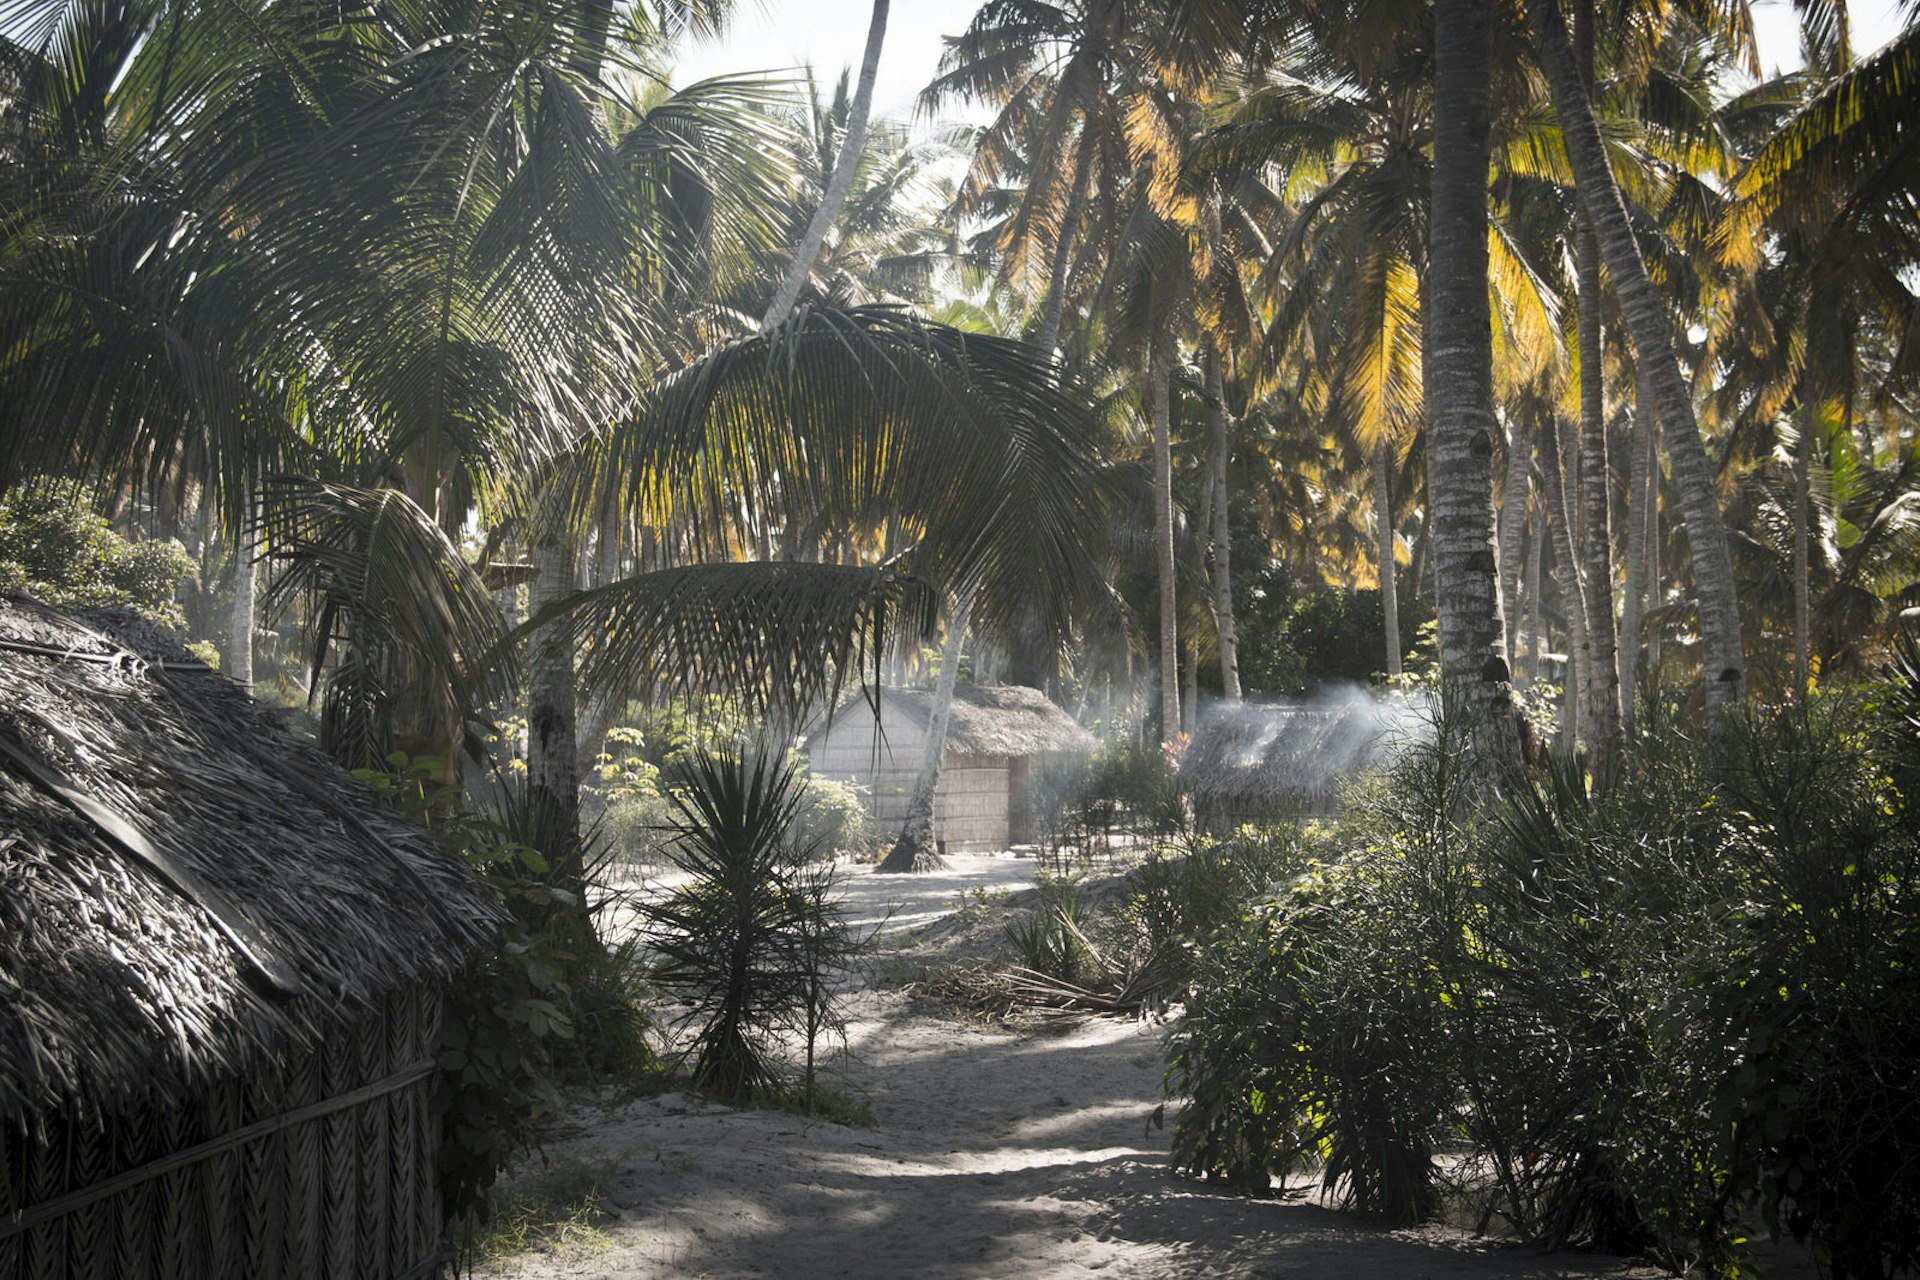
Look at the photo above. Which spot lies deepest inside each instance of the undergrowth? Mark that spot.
(1629, 1020)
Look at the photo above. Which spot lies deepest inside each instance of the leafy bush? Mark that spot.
(1822, 990)
(1125, 793)
(54, 546)
(544, 1003)
(753, 943)
(1629, 1016)
(1180, 898)
(1314, 1033)
(833, 819)
(1050, 940)
(636, 819)
(1294, 638)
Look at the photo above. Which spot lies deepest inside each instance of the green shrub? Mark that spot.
(1051, 939)
(1181, 897)
(56, 547)
(1630, 1017)
(545, 1003)
(1316, 1028)
(833, 819)
(1822, 990)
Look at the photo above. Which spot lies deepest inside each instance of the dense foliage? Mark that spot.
(54, 545)
(543, 1007)
(1612, 1020)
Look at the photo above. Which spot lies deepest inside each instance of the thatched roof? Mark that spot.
(1255, 756)
(185, 890)
(991, 720)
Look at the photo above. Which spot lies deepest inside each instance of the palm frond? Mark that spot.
(404, 627)
(780, 635)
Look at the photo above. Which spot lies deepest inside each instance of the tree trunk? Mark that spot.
(1513, 531)
(1383, 555)
(1222, 528)
(603, 705)
(1641, 492)
(835, 196)
(1063, 251)
(1159, 377)
(1599, 671)
(553, 765)
(1716, 597)
(1802, 497)
(917, 849)
(1573, 596)
(1458, 377)
(239, 657)
(1190, 704)
(1598, 667)
(1536, 628)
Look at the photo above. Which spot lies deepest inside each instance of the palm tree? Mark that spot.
(1715, 591)
(1831, 188)
(1459, 383)
(840, 184)
(1349, 263)
(431, 321)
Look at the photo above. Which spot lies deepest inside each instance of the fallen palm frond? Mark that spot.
(1136, 987)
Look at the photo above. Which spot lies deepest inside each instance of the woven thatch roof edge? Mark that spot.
(123, 986)
(987, 720)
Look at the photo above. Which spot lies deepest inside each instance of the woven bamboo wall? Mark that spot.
(325, 1170)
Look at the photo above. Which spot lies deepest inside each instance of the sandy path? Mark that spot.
(994, 1155)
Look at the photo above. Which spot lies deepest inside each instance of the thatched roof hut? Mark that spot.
(221, 978)
(1253, 762)
(999, 720)
(994, 736)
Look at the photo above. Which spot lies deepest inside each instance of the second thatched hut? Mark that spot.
(1264, 762)
(997, 738)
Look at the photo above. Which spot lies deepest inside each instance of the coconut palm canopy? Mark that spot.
(997, 720)
(185, 890)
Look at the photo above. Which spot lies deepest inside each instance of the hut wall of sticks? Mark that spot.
(222, 974)
(1266, 762)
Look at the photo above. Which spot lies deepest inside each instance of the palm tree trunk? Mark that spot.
(239, 656)
(1222, 527)
(835, 196)
(1716, 597)
(1598, 665)
(1458, 377)
(1573, 595)
(1063, 251)
(1513, 531)
(917, 849)
(1656, 570)
(1190, 704)
(1640, 493)
(1383, 554)
(1536, 581)
(603, 704)
(553, 765)
(1802, 496)
(1159, 378)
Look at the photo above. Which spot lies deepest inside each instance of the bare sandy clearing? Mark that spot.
(994, 1155)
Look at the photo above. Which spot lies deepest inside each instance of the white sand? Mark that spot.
(995, 1155)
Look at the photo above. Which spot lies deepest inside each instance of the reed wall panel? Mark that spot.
(323, 1171)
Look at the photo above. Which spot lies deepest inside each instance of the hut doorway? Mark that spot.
(1019, 802)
